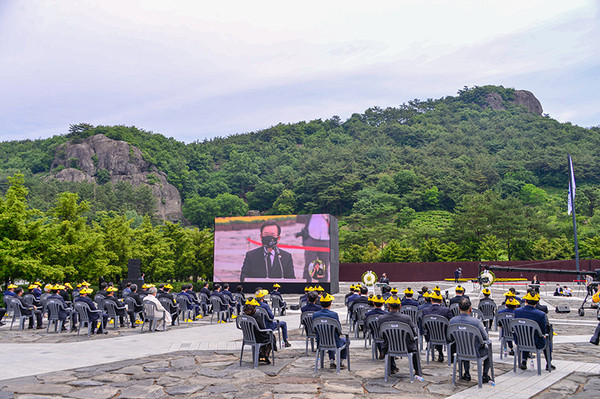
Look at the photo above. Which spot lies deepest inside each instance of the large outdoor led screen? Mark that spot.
(291, 248)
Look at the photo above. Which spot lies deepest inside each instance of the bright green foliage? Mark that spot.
(202, 211)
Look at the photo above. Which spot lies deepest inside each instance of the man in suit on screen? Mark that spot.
(268, 261)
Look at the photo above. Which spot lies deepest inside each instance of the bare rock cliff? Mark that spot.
(522, 97)
(83, 159)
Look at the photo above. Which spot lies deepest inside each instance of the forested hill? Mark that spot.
(480, 175)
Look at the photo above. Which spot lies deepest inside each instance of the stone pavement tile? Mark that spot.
(166, 381)
(130, 370)
(108, 377)
(143, 392)
(184, 389)
(101, 392)
(43, 389)
(295, 388)
(350, 386)
(380, 386)
(58, 377)
(294, 396)
(221, 388)
(6, 395)
(85, 383)
(33, 396)
(183, 362)
(337, 395)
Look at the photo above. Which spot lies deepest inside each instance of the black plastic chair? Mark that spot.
(489, 311)
(131, 304)
(398, 335)
(524, 333)
(168, 304)
(262, 313)
(468, 339)
(220, 309)
(113, 312)
(18, 312)
(478, 314)
(437, 328)
(54, 308)
(185, 313)
(276, 305)
(152, 315)
(99, 300)
(374, 335)
(503, 321)
(306, 321)
(249, 327)
(327, 330)
(358, 316)
(454, 309)
(84, 312)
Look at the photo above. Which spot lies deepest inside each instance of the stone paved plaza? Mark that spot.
(199, 360)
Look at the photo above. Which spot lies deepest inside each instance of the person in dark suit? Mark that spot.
(137, 307)
(486, 299)
(530, 312)
(377, 306)
(408, 298)
(460, 294)
(511, 304)
(261, 337)
(268, 261)
(94, 316)
(121, 308)
(276, 292)
(362, 298)
(205, 290)
(465, 317)
(62, 314)
(326, 301)
(394, 305)
(311, 306)
(173, 308)
(260, 298)
(28, 310)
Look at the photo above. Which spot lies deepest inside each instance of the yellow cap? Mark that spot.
(392, 300)
(69, 286)
(11, 286)
(111, 289)
(370, 297)
(486, 291)
(261, 293)
(327, 298)
(509, 294)
(252, 301)
(276, 285)
(85, 283)
(319, 288)
(86, 290)
(378, 299)
(352, 287)
(169, 286)
(512, 302)
(394, 290)
(409, 291)
(596, 297)
(426, 294)
(310, 289)
(58, 287)
(530, 297)
(48, 287)
(32, 286)
(459, 289)
(436, 295)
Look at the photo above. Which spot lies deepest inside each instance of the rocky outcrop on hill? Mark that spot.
(522, 97)
(99, 157)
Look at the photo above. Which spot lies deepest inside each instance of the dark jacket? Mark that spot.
(311, 307)
(438, 310)
(403, 318)
(531, 313)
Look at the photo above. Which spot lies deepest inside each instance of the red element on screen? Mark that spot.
(319, 249)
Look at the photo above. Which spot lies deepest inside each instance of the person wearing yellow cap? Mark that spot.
(460, 294)
(261, 336)
(68, 310)
(427, 298)
(355, 294)
(270, 323)
(28, 310)
(511, 304)
(596, 337)
(378, 302)
(326, 301)
(362, 298)
(437, 309)
(530, 312)
(282, 304)
(394, 304)
(121, 309)
(36, 290)
(408, 298)
(94, 315)
(10, 291)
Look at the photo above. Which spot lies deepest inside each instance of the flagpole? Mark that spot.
(572, 199)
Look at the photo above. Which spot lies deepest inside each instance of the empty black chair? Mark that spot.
(397, 335)
(503, 321)
(468, 339)
(436, 327)
(306, 321)
(327, 331)
(525, 332)
(276, 305)
(249, 327)
(454, 309)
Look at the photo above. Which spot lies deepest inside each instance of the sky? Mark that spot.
(193, 70)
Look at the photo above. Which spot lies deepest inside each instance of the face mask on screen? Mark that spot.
(269, 241)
